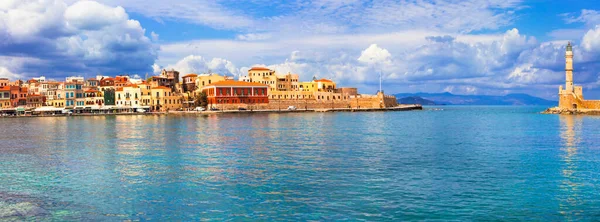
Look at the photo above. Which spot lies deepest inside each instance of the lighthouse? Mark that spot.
(569, 68)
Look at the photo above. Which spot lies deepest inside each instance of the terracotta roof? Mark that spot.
(323, 80)
(260, 68)
(190, 75)
(31, 81)
(108, 79)
(235, 83)
(161, 87)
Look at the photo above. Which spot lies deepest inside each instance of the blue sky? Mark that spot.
(491, 47)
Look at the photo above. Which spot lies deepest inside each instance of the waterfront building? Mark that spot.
(107, 83)
(92, 82)
(35, 101)
(40, 79)
(5, 98)
(121, 81)
(128, 96)
(18, 96)
(189, 82)
(72, 79)
(17, 82)
(4, 82)
(93, 97)
(168, 79)
(164, 99)
(146, 94)
(571, 96)
(50, 90)
(287, 82)
(207, 79)
(74, 97)
(234, 94)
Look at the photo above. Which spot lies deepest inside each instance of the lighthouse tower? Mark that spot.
(569, 68)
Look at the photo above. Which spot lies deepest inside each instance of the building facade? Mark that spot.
(236, 93)
(5, 97)
(164, 99)
(189, 82)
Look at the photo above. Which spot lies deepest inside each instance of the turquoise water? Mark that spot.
(463, 163)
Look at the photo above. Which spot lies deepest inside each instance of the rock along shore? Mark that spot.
(556, 110)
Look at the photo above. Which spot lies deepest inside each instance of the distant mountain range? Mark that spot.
(451, 99)
(415, 100)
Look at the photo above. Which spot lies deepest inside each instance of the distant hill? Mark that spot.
(415, 100)
(451, 99)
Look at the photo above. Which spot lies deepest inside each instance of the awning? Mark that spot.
(48, 109)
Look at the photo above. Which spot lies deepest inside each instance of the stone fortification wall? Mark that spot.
(570, 101)
(358, 101)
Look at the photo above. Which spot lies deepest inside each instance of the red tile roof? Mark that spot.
(190, 75)
(260, 68)
(323, 80)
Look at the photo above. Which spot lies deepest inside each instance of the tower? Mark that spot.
(569, 68)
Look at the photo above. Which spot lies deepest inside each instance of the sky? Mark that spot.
(473, 47)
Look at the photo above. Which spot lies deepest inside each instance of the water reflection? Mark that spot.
(571, 186)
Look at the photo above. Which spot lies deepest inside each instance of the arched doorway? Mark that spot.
(574, 106)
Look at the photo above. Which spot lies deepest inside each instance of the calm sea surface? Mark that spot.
(464, 163)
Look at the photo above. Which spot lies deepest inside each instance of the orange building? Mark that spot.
(236, 92)
(18, 96)
(5, 97)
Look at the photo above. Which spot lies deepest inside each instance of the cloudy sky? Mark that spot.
(491, 47)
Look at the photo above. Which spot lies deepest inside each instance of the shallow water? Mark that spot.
(464, 163)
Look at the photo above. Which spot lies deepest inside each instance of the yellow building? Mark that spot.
(276, 82)
(318, 85)
(93, 97)
(128, 96)
(163, 99)
(207, 79)
(146, 94)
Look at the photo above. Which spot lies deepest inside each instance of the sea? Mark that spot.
(438, 164)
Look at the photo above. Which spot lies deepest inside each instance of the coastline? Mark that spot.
(388, 109)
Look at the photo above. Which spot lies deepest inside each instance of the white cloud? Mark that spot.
(156, 69)
(375, 55)
(331, 16)
(62, 39)
(588, 17)
(198, 64)
(204, 12)
(154, 36)
(253, 36)
(591, 40)
(5, 73)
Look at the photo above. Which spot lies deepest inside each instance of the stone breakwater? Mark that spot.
(557, 110)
